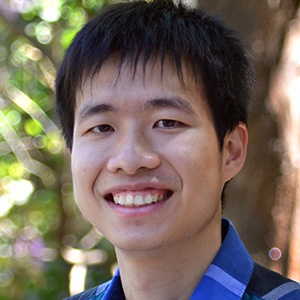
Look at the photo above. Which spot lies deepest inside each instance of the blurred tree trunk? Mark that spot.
(285, 100)
(262, 198)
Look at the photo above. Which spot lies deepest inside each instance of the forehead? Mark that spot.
(134, 88)
(114, 75)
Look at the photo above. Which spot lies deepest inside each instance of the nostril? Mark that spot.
(132, 158)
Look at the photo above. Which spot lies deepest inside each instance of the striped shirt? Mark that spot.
(232, 276)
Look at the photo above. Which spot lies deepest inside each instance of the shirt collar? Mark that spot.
(229, 274)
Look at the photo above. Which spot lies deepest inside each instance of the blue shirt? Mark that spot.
(232, 276)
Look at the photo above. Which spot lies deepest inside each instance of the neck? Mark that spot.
(169, 273)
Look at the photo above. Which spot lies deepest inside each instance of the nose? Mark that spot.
(132, 153)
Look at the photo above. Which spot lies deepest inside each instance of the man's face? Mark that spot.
(146, 163)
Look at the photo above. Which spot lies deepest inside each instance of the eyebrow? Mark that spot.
(89, 110)
(172, 102)
(177, 103)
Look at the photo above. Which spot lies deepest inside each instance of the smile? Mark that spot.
(137, 199)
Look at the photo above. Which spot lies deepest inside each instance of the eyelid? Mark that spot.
(105, 129)
(175, 125)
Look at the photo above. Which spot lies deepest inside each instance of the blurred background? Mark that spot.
(47, 251)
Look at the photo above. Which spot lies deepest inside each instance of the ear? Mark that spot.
(235, 150)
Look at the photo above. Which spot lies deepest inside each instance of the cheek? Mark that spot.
(197, 160)
(80, 163)
(84, 172)
(195, 152)
(86, 165)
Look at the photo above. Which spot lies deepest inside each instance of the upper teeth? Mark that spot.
(138, 200)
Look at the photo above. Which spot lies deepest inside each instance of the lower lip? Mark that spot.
(129, 212)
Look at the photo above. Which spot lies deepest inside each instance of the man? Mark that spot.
(153, 99)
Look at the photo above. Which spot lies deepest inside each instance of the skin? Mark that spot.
(152, 135)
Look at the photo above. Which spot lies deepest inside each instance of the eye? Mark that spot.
(102, 128)
(168, 124)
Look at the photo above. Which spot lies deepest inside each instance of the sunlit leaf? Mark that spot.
(16, 170)
(50, 10)
(33, 127)
(67, 37)
(43, 32)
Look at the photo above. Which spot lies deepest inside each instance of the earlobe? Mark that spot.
(235, 150)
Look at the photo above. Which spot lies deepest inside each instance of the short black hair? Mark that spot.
(144, 31)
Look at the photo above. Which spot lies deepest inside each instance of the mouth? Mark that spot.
(138, 198)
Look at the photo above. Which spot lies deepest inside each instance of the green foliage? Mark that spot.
(43, 237)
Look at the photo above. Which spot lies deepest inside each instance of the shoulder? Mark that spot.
(268, 285)
(95, 293)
